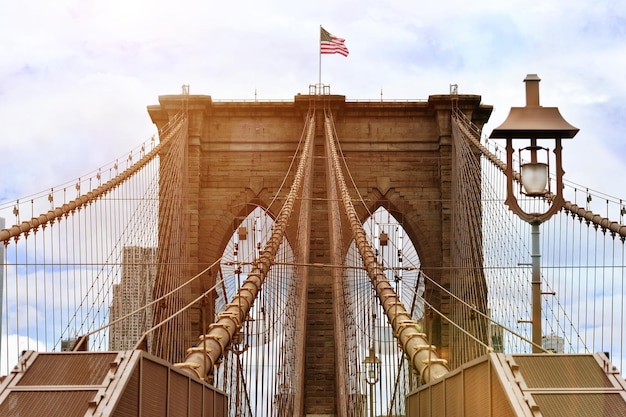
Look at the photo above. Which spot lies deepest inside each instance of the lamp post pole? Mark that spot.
(536, 287)
(371, 399)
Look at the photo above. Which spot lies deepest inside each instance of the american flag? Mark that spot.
(330, 44)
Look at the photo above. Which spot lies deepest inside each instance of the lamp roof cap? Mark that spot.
(534, 121)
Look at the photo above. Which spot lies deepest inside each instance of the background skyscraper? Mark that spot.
(132, 292)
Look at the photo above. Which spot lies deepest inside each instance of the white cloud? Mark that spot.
(11, 349)
(76, 77)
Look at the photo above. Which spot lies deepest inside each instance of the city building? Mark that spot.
(133, 291)
(496, 336)
(68, 345)
(553, 343)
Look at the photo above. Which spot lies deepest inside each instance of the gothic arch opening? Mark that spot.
(262, 353)
(366, 324)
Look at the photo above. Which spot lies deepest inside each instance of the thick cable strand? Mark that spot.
(421, 354)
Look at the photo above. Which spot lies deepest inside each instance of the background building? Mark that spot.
(132, 292)
(553, 343)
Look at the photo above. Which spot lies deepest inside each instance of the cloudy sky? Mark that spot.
(76, 76)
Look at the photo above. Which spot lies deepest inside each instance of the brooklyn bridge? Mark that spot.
(320, 257)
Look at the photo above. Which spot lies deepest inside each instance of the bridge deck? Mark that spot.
(547, 385)
(117, 384)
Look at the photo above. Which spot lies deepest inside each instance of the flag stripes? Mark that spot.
(330, 44)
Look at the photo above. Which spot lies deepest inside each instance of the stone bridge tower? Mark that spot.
(399, 153)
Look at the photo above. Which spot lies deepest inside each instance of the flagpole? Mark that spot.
(319, 50)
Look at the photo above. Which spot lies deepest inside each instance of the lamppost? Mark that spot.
(372, 375)
(532, 123)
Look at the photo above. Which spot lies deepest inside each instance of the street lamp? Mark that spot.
(532, 123)
(372, 375)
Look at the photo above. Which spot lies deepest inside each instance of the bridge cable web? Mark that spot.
(258, 365)
(366, 326)
(467, 274)
(173, 269)
(582, 270)
(60, 268)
